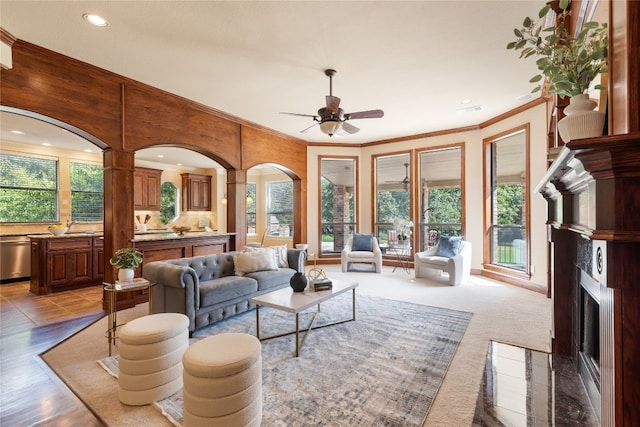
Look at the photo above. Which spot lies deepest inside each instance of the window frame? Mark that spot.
(268, 212)
(376, 225)
(54, 192)
(72, 191)
(252, 191)
(419, 242)
(354, 225)
(488, 204)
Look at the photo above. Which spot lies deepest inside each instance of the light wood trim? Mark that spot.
(356, 194)
(487, 205)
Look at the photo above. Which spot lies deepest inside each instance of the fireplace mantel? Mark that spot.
(593, 194)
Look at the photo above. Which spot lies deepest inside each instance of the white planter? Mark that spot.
(581, 121)
(125, 275)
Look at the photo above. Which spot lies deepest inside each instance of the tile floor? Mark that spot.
(523, 387)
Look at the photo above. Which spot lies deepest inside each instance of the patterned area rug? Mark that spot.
(383, 369)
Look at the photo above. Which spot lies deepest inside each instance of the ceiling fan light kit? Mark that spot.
(332, 119)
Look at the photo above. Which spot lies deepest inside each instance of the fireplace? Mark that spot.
(589, 337)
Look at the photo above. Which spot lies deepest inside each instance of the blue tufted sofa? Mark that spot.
(206, 289)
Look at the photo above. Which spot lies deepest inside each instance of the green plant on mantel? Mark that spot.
(569, 63)
(126, 258)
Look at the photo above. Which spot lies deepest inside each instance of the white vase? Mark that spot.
(125, 275)
(581, 121)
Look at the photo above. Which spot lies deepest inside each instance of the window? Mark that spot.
(87, 201)
(337, 202)
(28, 189)
(392, 197)
(251, 208)
(280, 208)
(441, 194)
(506, 201)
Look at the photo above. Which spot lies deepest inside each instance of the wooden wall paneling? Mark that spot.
(624, 67)
(237, 207)
(564, 291)
(65, 89)
(153, 117)
(259, 147)
(118, 204)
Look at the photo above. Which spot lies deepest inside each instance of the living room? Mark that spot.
(124, 116)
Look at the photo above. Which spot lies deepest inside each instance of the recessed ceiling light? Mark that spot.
(465, 101)
(160, 155)
(96, 20)
(46, 144)
(17, 132)
(525, 97)
(178, 164)
(88, 150)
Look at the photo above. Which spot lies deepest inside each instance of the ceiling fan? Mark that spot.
(405, 181)
(332, 119)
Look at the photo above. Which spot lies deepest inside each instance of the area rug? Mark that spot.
(383, 369)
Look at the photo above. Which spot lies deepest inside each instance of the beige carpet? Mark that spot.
(501, 313)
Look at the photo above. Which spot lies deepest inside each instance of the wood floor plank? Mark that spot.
(30, 392)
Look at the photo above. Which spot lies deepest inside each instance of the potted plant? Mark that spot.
(568, 64)
(403, 227)
(126, 260)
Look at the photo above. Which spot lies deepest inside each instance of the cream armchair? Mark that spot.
(362, 248)
(436, 260)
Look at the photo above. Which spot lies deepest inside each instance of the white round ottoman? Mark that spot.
(150, 362)
(223, 382)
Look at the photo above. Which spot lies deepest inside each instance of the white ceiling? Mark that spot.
(416, 60)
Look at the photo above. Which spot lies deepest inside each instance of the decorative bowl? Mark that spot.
(302, 246)
(58, 231)
(180, 229)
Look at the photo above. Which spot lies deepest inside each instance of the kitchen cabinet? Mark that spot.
(67, 262)
(146, 189)
(196, 192)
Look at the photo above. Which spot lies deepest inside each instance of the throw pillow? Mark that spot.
(362, 242)
(280, 252)
(260, 260)
(281, 255)
(449, 246)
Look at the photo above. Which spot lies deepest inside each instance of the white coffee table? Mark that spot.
(296, 302)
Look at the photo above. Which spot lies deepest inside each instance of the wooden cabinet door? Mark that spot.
(69, 260)
(196, 192)
(99, 260)
(138, 190)
(68, 267)
(153, 191)
(146, 189)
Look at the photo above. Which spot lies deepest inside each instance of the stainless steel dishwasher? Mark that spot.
(15, 257)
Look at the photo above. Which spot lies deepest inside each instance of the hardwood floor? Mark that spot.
(30, 392)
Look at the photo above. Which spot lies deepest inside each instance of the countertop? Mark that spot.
(175, 236)
(67, 235)
(139, 237)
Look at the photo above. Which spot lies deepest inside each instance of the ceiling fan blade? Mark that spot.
(301, 115)
(371, 114)
(309, 128)
(333, 102)
(349, 128)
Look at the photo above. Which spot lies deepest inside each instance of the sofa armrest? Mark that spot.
(177, 279)
(296, 259)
